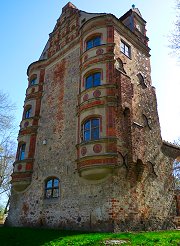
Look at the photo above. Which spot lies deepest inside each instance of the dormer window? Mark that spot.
(125, 49)
(93, 42)
(93, 80)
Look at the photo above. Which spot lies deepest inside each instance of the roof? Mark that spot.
(171, 150)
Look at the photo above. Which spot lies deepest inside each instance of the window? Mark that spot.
(28, 113)
(52, 188)
(96, 41)
(125, 49)
(21, 152)
(91, 129)
(141, 81)
(33, 81)
(93, 80)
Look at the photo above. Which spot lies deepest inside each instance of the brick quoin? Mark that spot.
(32, 146)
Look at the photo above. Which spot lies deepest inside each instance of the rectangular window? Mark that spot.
(125, 49)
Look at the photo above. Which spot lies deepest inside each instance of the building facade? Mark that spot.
(90, 154)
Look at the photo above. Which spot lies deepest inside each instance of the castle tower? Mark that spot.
(90, 153)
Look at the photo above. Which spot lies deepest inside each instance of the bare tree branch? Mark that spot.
(7, 144)
(175, 35)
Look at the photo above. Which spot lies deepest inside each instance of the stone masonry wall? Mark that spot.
(138, 195)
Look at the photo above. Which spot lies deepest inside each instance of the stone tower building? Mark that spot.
(90, 154)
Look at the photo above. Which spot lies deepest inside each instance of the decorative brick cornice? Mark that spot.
(21, 176)
(29, 160)
(28, 130)
(97, 59)
(91, 104)
(97, 162)
(101, 140)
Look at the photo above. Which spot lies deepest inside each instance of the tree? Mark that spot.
(175, 36)
(7, 144)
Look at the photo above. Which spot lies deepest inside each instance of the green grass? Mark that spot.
(48, 237)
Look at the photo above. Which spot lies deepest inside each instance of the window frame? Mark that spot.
(125, 48)
(93, 82)
(90, 130)
(52, 188)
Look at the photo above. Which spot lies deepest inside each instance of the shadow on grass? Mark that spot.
(12, 236)
(49, 237)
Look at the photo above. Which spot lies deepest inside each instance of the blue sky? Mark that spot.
(25, 26)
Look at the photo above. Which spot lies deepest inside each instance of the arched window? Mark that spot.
(33, 80)
(28, 113)
(21, 151)
(90, 129)
(93, 80)
(93, 42)
(141, 81)
(52, 188)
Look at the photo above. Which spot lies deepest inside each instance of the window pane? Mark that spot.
(56, 182)
(97, 41)
(126, 50)
(89, 44)
(122, 47)
(95, 133)
(23, 146)
(89, 81)
(48, 193)
(49, 184)
(97, 79)
(95, 123)
(87, 125)
(55, 193)
(28, 113)
(22, 152)
(33, 81)
(22, 156)
(87, 135)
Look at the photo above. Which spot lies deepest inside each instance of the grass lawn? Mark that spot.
(40, 237)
